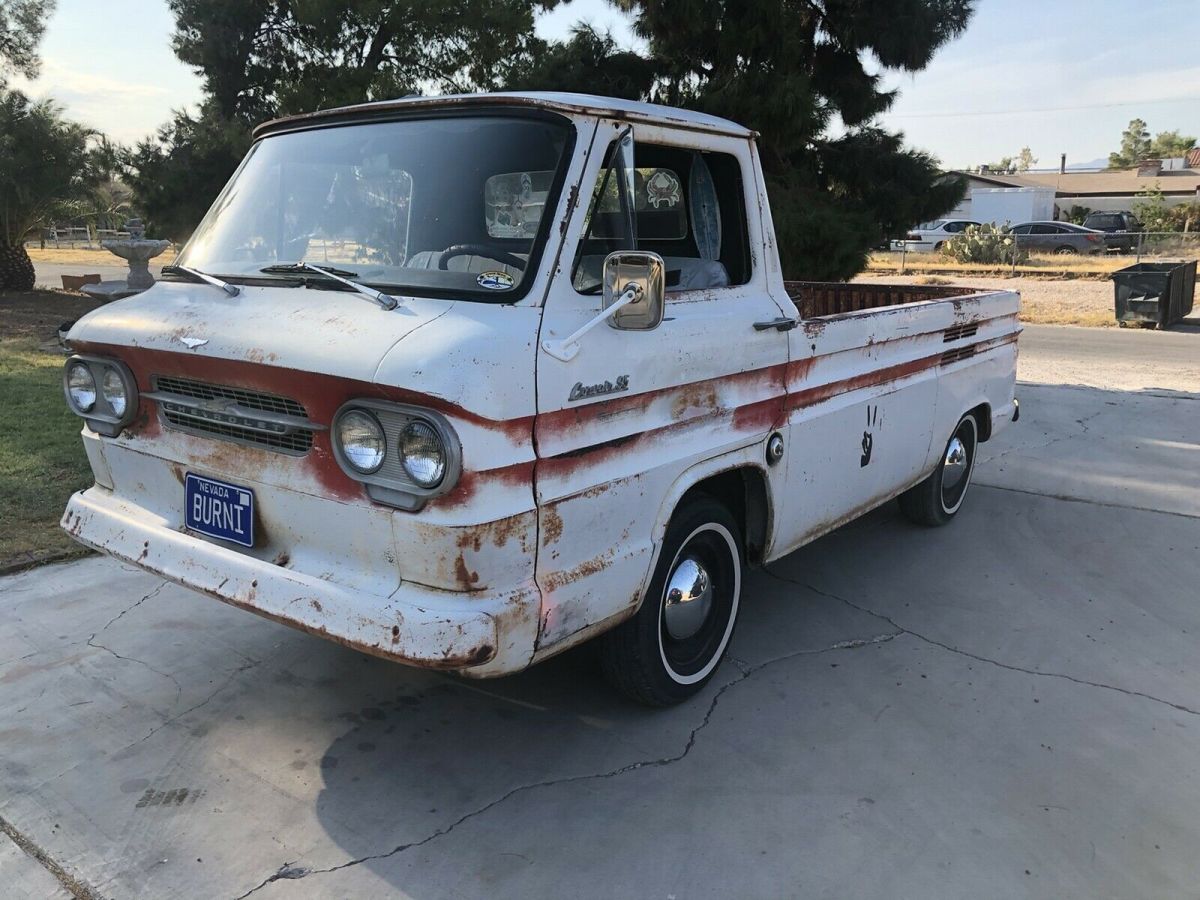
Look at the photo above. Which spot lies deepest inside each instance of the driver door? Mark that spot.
(633, 410)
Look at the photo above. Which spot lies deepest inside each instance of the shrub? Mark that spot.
(1077, 214)
(985, 244)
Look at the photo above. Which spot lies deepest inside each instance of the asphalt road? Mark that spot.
(50, 274)
(1115, 358)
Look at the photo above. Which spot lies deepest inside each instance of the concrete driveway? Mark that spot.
(1006, 707)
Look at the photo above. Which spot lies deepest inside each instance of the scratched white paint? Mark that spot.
(553, 531)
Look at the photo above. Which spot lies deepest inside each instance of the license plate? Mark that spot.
(219, 509)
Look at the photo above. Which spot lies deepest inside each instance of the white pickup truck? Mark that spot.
(465, 381)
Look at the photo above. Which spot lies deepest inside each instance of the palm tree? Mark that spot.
(46, 163)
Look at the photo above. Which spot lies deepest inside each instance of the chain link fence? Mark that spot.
(1108, 251)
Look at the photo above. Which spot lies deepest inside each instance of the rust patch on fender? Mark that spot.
(471, 481)
(552, 524)
(555, 580)
(701, 396)
(466, 578)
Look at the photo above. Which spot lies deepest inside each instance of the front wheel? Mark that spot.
(670, 649)
(936, 499)
(1066, 251)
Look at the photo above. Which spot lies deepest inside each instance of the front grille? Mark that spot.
(242, 425)
(250, 399)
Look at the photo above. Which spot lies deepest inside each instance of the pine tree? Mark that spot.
(1135, 146)
(792, 71)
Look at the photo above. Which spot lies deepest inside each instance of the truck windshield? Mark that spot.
(445, 206)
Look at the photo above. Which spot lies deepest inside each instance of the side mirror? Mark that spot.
(645, 275)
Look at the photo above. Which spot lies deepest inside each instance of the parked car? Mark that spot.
(1058, 237)
(929, 237)
(494, 421)
(1121, 229)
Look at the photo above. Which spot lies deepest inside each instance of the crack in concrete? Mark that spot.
(975, 656)
(1081, 422)
(69, 882)
(153, 593)
(290, 871)
(191, 709)
(91, 642)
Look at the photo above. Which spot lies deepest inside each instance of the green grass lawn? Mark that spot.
(42, 461)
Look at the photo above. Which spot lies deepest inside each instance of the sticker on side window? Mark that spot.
(495, 281)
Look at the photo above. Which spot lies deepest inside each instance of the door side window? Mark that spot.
(688, 206)
(610, 224)
(713, 249)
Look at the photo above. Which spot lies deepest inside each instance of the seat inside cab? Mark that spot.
(689, 209)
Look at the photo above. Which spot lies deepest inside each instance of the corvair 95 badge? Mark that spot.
(582, 391)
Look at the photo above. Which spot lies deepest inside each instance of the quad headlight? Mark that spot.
(362, 441)
(423, 453)
(115, 391)
(402, 454)
(102, 391)
(81, 387)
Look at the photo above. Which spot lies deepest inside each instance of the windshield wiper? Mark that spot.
(228, 288)
(285, 268)
(385, 300)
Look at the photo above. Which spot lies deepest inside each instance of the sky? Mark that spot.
(1059, 76)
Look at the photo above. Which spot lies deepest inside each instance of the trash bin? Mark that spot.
(1154, 293)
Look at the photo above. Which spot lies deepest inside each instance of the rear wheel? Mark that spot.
(1066, 251)
(670, 649)
(936, 499)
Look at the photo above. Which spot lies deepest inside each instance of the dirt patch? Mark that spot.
(38, 314)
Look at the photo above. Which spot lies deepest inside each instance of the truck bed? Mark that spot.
(830, 298)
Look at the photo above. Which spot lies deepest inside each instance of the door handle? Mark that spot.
(783, 323)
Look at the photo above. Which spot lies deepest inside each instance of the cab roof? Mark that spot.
(588, 104)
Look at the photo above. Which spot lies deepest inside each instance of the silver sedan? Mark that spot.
(1058, 237)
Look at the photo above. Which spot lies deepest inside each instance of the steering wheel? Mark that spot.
(500, 256)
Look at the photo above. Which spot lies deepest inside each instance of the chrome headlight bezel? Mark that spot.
(102, 417)
(390, 483)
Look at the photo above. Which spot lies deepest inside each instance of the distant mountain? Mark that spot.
(1094, 164)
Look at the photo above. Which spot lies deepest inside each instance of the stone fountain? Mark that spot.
(137, 250)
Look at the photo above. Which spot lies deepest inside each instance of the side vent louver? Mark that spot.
(958, 354)
(958, 332)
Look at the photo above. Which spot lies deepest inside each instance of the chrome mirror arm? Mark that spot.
(568, 347)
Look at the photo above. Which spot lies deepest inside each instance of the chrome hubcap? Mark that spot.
(688, 600)
(954, 466)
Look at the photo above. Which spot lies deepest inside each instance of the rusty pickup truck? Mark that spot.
(466, 381)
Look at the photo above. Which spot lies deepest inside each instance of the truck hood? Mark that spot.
(336, 333)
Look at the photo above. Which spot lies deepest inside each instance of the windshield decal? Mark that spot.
(495, 281)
